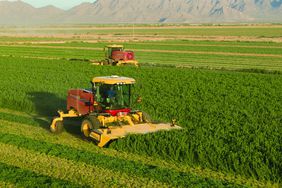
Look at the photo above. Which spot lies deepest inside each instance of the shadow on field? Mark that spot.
(47, 105)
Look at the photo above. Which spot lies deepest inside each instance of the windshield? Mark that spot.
(113, 97)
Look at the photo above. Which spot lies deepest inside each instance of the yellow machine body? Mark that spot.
(128, 124)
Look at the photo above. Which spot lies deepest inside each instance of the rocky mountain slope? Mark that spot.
(146, 11)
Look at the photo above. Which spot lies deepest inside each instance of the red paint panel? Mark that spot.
(123, 55)
(115, 112)
(80, 100)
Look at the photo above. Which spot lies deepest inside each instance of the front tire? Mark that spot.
(58, 128)
(88, 124)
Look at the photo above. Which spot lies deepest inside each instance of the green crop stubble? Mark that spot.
(97, 48)
(129, 167)
(69, 171)
(22, 119)
(17, 177)
(68, 140)
(49, 52)
(240, 57)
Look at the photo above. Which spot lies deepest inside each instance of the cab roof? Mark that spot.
(112, 80)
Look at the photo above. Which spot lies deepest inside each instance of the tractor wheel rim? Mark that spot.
(86, 129)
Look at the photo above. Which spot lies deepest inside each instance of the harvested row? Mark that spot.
(156, 44)
(37, 133)
(105, 162)
(19, 177)
(185, 47)
(274, 51)
(69, 172)
(197, 59)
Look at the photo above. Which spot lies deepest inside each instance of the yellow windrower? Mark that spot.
(106, 111)
(116, 55)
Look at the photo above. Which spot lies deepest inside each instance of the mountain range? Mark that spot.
(145, 11)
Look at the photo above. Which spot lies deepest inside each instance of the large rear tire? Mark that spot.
(59, 127)
(89, 124)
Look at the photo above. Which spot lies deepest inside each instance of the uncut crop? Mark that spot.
(232, 121)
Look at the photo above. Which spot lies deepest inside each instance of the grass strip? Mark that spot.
(25, 178)
(164, 175)
(22, 119)
(72, 172)
(70, 140)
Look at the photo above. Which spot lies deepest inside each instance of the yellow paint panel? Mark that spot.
(113, 80)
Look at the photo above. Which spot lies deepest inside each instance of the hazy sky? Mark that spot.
(64, 4)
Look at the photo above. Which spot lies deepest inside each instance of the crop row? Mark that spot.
(183, 42)
(129, 167)
(72, 171)
(228, 61)
(71, 140)
(232, 122)
(189, 46)
(231, 119)
(21, 119)
(25, 178)
(49, 52)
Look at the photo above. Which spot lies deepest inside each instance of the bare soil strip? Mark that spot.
(149, 27)
(136, 37)
(211, 53)
(210, 45)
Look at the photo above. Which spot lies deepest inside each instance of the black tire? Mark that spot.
(59, 127)
(89, 124)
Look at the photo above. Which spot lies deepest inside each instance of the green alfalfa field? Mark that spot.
(227, 96)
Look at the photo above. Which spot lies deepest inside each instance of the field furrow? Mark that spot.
(165, 49)
(38, 133)
(69, 171)
(17, 176)
(126, 165)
